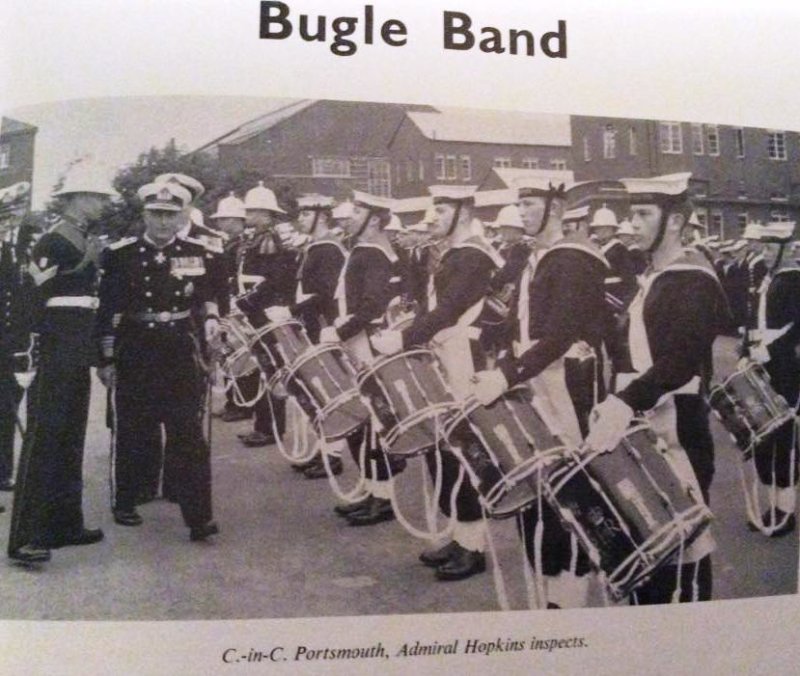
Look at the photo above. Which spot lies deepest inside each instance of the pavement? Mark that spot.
(283, 553)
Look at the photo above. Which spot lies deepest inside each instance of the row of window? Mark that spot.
(716, 219)
(705, 139)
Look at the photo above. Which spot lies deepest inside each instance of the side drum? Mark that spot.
(505, 448)
(408, 395)
(629, 509)
(748, 408)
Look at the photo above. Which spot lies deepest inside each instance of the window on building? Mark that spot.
(738, 135)
(717, 222)
(530, 162)
(330, 166)
(587, 149)
(421, 170)
(712, 137)
(410, 170)
(670, 137)
(5, 156)
(698, 147)
(633, 147)
(778, 197)
(558, 165)
(776, 145)
(451, 167)
(502, 163)
(609, 142)
(742, 219)
(438, 164)
(781, 215)
(466, 167)
(379, 178)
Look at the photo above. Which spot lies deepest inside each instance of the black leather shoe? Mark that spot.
(787, 527)
(303, 466)
(436, 557)
(318, 471)
(30, 554)
(378, 511)
(351, 507)
(462, 564)
(257, 440)
(6, 485)
(125, 517)
(2, 509)
(203, 532)
(88, 536)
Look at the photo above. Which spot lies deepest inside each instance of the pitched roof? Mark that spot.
(12, 126)
(493, 126)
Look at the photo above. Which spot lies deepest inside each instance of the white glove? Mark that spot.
(759, 353)
(278, 313)
(387, 342)
(489, 385)
(608, 423)
(24, 378)
(329, 335)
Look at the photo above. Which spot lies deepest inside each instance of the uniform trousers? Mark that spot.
(49, 489)
(10, 398)
(158, 379)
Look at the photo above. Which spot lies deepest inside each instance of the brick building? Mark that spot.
(739, 174)
(17, 141)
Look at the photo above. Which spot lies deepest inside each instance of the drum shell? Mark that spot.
(323, 382)
(278, 345)
(237, 359)
(628, 507)
(749, 408)
(409, 398)
(507, 448)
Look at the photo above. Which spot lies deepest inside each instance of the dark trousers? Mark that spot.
(159, 386)
(774, 460)
(49, 490)
(10, 397)
(468, 506)
(377, 464)
(266, 410)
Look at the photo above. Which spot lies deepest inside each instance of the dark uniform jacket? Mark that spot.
(317, 278)
(17, 293)
(461, 280)
(371, 280)
(621, 284)
(566, 305)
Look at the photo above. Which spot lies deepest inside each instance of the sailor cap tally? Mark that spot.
(576, 214)
(164, 196)
(537, 186)
(373, 202)
(443, 194)
(194, 186)
(658, 188)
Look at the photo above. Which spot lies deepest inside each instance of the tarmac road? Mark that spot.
(283, 553)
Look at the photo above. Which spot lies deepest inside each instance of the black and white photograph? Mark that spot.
(346, 337)
(362, 358)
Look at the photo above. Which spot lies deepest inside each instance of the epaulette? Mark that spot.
(212, 244)
(480, 243)
(125, 241)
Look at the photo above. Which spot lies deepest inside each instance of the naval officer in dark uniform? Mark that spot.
(152, 292)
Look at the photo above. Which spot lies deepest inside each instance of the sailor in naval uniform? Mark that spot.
(775, 342)
(756, 271)
(317, 277)
(621, 284)
(457, 291)
(674, 320)
(562, 319)
(630, 238)
(369, 282)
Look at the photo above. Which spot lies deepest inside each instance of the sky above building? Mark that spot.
(114, 131)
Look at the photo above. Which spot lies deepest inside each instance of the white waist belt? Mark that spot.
(88, 302)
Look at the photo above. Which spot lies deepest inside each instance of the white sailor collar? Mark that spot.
(390, 254)
(576, 246)
(480, 243)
